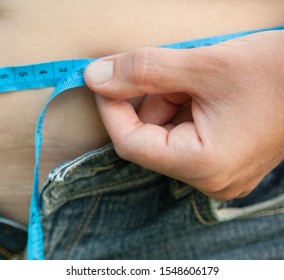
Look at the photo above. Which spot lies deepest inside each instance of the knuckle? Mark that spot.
(145, 67)
(121, 149)
(140, 60)
(125, 149)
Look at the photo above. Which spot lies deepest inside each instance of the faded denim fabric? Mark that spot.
(99, 206)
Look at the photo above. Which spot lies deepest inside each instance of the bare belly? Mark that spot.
(35, 31)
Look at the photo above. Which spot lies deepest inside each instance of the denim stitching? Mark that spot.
(103, 189)
(100, 152)
(199, 216)
(149, 176)
(85, 221)
(197, 212)
(264, 213)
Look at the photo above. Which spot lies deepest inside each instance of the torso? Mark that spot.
(36, 31)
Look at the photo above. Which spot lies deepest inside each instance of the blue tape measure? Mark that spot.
(64, 75)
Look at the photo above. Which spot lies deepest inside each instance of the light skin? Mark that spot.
(211, 117)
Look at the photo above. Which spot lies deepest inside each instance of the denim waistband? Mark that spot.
(99, 171)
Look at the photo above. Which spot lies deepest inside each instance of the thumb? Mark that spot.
(146, 70)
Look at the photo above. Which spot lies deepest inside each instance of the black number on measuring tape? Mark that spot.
(42, 72)
(23, 74)
(80, 71)
(4, 76)
(63, 69)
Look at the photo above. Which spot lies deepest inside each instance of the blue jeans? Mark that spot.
(13, 238)
(99, 206)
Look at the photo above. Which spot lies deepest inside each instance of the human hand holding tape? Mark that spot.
(211, 117)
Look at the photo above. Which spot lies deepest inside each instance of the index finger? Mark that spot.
(148, 145)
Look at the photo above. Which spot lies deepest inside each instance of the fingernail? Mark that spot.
(100, 72)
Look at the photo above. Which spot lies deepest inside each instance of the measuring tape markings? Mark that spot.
(64, 75)
(73, 79)
(35, 76)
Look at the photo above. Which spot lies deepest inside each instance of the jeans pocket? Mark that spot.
(98, 172)
(266, 199)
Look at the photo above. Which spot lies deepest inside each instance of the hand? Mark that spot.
(212, 117)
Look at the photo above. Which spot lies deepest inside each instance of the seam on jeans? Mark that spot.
(67, 171)
(263, 208)
(197, 212)
(85, 221)
(95, 154)
(108, 188)
(144, 178)
(265, 213)
(254, 215)
(90, 171)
